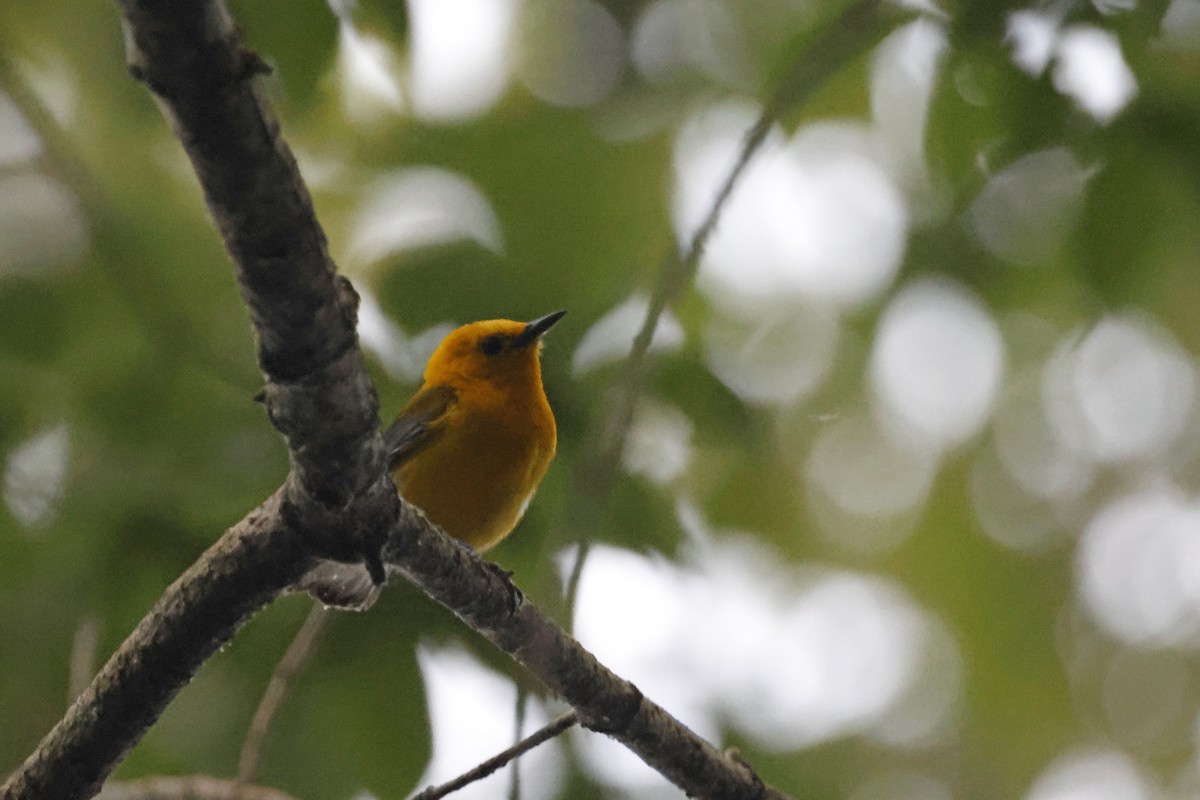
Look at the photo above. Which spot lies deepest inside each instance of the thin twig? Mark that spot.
(859, 26)
(484, 597)
(277, 689)
(558, 726)
(83, 656)
(522, 707)
(674, 275)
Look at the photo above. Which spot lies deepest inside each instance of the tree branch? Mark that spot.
(277, 689)
(859, 26)
(246, 568)
(318, 393)
(520, 710)
(483, 596)
(83, 656)
(478, 773)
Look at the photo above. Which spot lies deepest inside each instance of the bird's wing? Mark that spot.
(350, 585)
(418, 423)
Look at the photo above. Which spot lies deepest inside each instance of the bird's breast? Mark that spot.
(476, 480)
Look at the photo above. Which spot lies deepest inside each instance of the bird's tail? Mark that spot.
(345, 586)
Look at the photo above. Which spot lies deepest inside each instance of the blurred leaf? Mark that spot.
(31, 321)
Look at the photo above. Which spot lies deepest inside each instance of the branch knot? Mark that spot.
(615, 716)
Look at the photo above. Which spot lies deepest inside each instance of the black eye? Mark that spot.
(492, 345)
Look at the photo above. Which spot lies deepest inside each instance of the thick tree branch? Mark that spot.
(318, 394)
(338, 499)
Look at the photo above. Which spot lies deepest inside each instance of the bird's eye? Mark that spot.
(492, 345)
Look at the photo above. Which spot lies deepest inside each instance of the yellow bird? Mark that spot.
(470, 447)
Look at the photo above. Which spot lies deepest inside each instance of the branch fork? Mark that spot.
(338, 502)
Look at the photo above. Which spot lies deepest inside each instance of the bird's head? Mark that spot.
(491, 350)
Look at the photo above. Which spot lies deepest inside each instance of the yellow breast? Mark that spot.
(476, 480)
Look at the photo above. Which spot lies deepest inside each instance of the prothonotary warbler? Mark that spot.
(471, 446)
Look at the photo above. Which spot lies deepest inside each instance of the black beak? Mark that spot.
(537, 329)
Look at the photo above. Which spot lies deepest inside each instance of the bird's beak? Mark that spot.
(537, 329)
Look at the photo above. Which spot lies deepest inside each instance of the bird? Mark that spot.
(470, 447)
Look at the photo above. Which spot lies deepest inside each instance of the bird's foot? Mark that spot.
(514, 597)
